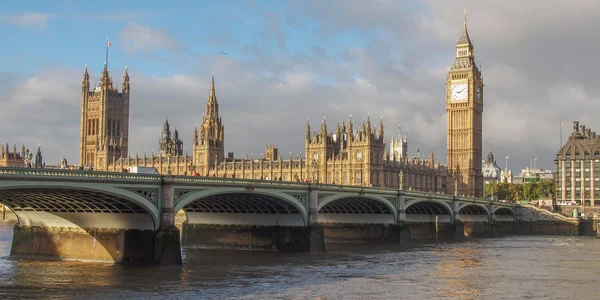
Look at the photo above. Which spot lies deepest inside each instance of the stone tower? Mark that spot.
(464, 106)
(209, 148)
(364, 149)
(104, 129)
(272, 152)
(170, 138)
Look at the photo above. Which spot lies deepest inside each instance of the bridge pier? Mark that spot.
(366, 233)
(167, 249)
(85, 244)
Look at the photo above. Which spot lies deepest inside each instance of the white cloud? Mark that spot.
(136, 38)
(34, 20)
(539, 66)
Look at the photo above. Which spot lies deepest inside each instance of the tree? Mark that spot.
(502, 191)
(490, 189)
(530, 191)
(545, 189)
(516, 192)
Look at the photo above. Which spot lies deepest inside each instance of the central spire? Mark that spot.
(464, 37)
(212, 88)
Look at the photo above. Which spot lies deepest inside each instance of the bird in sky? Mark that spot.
(224, 53)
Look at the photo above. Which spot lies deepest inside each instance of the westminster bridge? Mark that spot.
(130, 218)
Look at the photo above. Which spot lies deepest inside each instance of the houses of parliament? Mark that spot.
(352, 153)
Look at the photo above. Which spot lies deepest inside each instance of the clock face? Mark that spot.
(478, 93)
(359, 155)
(316, 156)
(459, 92)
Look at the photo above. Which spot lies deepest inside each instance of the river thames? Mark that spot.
(518, 267)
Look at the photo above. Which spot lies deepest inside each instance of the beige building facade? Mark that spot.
(578, 168)
(104, 127)
(23, 158)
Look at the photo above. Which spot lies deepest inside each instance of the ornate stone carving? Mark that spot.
(150, 194)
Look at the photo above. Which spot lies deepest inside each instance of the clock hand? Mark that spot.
(462, 90)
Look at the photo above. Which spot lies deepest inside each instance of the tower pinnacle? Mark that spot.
(464, 37)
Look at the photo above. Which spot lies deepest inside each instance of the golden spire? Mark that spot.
(464, 37)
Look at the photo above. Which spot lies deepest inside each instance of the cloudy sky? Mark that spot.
(292, 60)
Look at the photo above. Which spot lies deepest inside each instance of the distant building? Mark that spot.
(507, 176)
(490, 170)
(398, 148)
(578, 167)
(24, 158)
(533, 175)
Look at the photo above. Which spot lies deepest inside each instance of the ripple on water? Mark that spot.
(499, 268)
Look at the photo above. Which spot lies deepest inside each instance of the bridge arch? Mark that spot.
(473, 212)
(336, 208)
(240, 206)
(504, 214)
(64, 205)
(424, 210)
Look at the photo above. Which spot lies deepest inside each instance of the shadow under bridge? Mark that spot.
(78, 208)
(426, 211)
(242, 208)
(356, 210)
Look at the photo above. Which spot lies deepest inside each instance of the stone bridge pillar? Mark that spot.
(167, 250)
(459, 227)
(401, 231)
(316, 234)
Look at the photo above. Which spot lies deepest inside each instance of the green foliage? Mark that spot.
(530, 191)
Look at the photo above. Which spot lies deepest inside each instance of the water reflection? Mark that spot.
(457, 265)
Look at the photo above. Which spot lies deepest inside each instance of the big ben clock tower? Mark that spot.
(464, 105)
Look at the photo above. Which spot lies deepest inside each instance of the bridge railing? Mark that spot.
(11, 173)
(25, 173)
(238, 181)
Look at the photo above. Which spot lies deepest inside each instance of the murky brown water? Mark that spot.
(501, 268)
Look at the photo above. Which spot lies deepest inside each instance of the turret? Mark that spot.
(381, 129)
(350, 130)
(105, 80)
(308, 131)
(125, 87)
(38, 158)
(85, 82)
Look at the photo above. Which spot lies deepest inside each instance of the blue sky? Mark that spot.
(292, 60)
(75, 31)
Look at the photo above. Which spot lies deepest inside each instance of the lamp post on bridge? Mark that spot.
(28, 158)
(169, 152)
(315, 173)
(192, 168)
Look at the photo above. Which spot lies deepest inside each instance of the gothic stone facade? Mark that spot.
(24, 158)
(104, 129)
(346, 156)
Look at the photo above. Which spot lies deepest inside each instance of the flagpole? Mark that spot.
(106, 61)
(561, 135)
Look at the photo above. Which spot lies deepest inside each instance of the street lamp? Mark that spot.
(192, 168)
(169, 154)
(314, 167)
